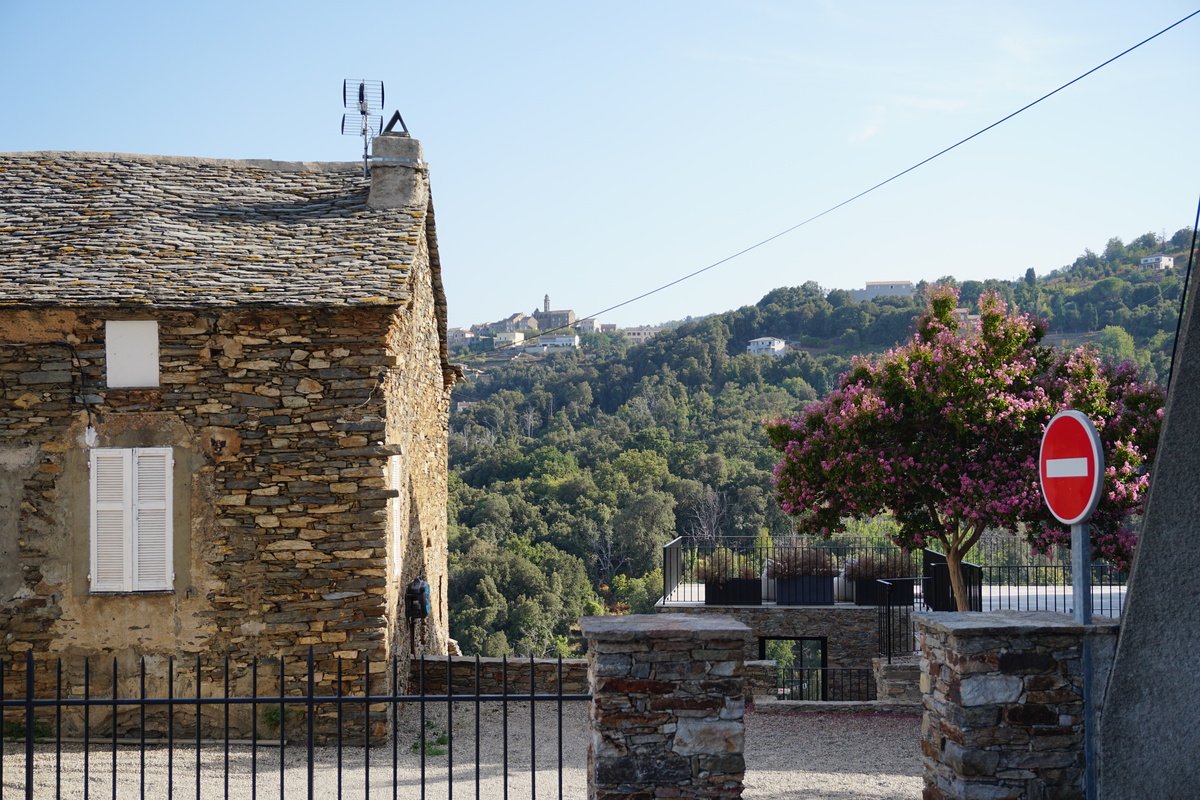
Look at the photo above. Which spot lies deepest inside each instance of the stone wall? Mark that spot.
(667, 706)
(851, 632)
(1003, 694)
(499, 676)
(282, 422)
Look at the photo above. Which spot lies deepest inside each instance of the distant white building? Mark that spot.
(1158, 262)
(589, 325)
(883, 289)
(547, 344)
(509, 338)
(640, 334)
(766, 345)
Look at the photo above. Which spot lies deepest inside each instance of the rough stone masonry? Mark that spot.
(667, 706)
(302, 389)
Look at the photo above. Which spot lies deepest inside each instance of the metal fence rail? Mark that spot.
(744, 560)
(840, 684)
(297, 743)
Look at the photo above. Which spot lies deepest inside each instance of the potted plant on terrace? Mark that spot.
(803, 576)
(729, 579)
(864, 571)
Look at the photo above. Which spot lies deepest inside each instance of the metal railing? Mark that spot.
(837, 684)
(746, 566)
(898, 599)
(291, 742)
(1049, 588)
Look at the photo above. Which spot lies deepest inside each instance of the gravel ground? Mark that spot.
(826, 756)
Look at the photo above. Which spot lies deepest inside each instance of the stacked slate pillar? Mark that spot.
(667, 707)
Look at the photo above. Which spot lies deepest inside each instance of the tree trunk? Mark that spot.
(954, 567)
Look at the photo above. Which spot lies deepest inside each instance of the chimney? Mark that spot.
(398, 172)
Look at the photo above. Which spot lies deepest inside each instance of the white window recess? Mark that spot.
(397, 534)
(131, 353)
(131, 513)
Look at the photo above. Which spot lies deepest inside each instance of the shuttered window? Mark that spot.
(131, 492)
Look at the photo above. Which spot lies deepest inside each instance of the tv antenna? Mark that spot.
(366, 97)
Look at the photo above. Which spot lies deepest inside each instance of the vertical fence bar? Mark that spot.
(532, 731)
(477, 729)
(449, 730)
(366, 724)
(142, 729)
(254, 729)
(225, 737)
(312, 720)
(57, 729)
(560, 729)
(171, 726)
(339, 727)
(29, 708)
(87, 726)
(421, 702)
(199, 726)
(396, 724)
(282, 723)
(2, 695)
(114, 729)
(504, 723)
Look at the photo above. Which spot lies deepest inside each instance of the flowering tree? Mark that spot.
(944, 433)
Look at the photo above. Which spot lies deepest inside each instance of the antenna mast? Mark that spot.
(366, 97)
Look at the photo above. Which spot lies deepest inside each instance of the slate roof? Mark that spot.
(114, 229)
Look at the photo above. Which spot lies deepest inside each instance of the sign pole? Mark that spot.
(1071, 468)
(1081, 577)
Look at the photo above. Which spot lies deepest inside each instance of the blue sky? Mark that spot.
(595, 151)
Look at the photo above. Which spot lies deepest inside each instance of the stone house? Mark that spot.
(224, 393)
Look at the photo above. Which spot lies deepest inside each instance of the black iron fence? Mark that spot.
(391, 740)
(898, 599)
(838, 684)
(743, 571)
(989, 588)
(1049, 588)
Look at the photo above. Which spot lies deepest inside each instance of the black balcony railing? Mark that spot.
(830, 684)
(746, 572)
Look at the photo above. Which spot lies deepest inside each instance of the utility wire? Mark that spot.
(865, 192)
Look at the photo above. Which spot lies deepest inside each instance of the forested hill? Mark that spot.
(570, 471)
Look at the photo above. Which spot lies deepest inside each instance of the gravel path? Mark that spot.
(833, 757)
(826, 756)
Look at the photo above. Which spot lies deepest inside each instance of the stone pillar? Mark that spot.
(667, 706)
(1003, 694)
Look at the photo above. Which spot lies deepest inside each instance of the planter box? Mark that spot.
(807, 590)
(734, 592)
(870, 593)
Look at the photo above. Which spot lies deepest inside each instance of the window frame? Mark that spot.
(131, 523)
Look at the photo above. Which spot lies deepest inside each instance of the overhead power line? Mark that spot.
(865, 192)
(881, 184)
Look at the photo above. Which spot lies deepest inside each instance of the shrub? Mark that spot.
(798, 561)
(873, 566)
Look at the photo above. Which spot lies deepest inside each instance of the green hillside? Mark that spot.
(569, 472)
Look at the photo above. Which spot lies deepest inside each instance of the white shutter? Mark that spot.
(112, 519)
(131, 492)
(152, 564)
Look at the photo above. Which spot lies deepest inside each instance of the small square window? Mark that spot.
(131, 353)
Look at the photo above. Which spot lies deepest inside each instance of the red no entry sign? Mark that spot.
(1071, 465)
